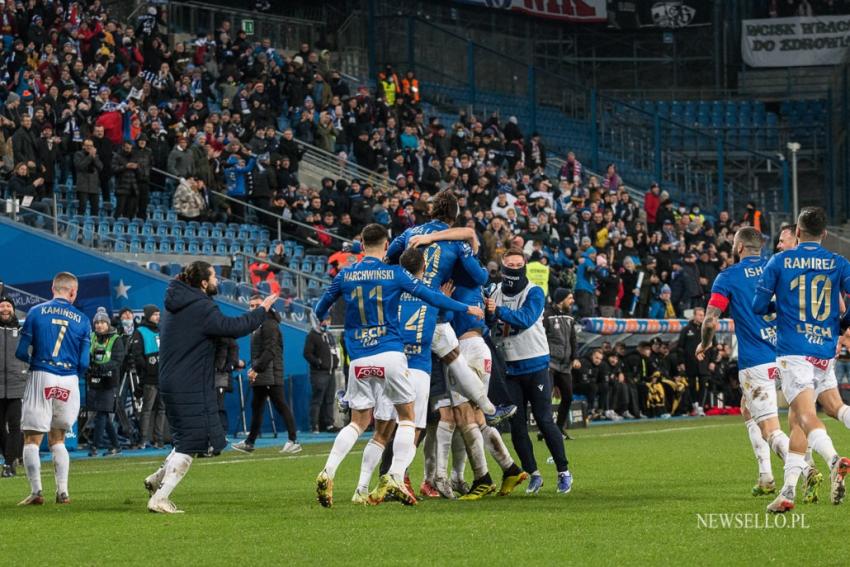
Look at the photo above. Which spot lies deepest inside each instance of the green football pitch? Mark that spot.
(644, 494)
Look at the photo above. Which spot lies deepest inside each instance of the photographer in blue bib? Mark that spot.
(107, 355)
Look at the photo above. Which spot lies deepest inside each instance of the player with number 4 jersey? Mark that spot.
(806, 283)
(378, 378)
(55, 343)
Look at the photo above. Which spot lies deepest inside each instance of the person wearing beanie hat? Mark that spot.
(144, 359)
(107, 356)
(661, 307)
(13, 381)
(563, 352)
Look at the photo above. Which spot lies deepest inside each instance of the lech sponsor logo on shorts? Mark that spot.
(772, 372)
(56, 393)
(488, 365)
(366, 372)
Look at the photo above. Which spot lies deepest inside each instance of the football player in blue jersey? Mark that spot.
(55, 342)
(417, 320)
(441, 260)
(377, 375)
(807, 283)
(476, 433)
(734, 289)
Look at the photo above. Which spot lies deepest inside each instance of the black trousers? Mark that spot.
(498, 392)
(92, 199)
(222, 412)
(698, 389)
(11, 438)
(534, 389)
(322, 403)
(144, 198)
(258, 401)
(633, 399)
(564, 382)
(126, 206)
(589, 390)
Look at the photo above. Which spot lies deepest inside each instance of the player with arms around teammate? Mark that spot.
(734, 289)
(441, 260)
(377, 375)
(807, 282)
(55, 343)
(190, 325)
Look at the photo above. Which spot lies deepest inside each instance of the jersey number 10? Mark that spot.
(821, 301)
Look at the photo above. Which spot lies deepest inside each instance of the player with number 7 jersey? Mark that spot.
(55, 342)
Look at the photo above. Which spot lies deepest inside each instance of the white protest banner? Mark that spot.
(795, 42)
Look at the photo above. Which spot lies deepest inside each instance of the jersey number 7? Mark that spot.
(63, 328)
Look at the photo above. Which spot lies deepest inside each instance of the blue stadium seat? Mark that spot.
(179, 246)
(164, 245)
(162, 230)
(207, 248)
(228, 288)
(220, 248)
(153, 266)
(148, 229)
(264, 288)
(150, 246)
(194, 247)
(120, 246)
(203, 232)
(135, 246)
(244, 292)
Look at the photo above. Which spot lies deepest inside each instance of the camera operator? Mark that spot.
(107, 355)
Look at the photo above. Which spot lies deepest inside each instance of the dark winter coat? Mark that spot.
(147, 366)
(267, 352)
(561, 334)
(88, 172)
(190, 324)
(126, 179)
(318, 352)
(13, 372)
(102, 379)
(226, 361)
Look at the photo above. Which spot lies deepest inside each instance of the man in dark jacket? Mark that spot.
(13, 381)
(126, 171)
(226, 362)
(697, 371)
(104, 151)
(321, 353)
(587, 380)
(561, 333)
(144, 356)
(88, 165)
(191, 323)
(266, 376)
(107, 356)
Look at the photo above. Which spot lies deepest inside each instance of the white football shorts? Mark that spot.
(50, 402)
(758, 384)
(799, 373)
(379, 382)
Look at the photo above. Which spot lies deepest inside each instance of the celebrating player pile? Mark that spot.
(807, 282)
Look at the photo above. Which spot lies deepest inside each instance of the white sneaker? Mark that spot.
(700, 411)
(609, 414)
(154, 481)
(291, 447)
(361, 497)
(628, 415)
(163, 506)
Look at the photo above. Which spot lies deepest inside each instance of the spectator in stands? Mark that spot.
(189, 201)
(25, 187)
(609, 285)
(143, 157)
(753, 216)
(126, 172)
(88, 165)
(144, 356)
(263, 270)
(585, 290)
(322, 354)
(104, 147)
(25, 143)
(13, 381)
(651, 204)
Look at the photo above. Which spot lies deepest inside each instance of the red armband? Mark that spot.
(719, 301)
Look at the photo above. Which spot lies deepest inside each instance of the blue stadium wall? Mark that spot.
(30, 255)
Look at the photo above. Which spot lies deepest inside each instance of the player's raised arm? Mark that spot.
(417, 289)
(766, 286)
(329, 297)
(396, 248)
(464, 234)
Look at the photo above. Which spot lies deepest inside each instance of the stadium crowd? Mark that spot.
(105, 106)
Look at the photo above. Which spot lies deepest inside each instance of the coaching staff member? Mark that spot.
(188, 329)
(516, 311)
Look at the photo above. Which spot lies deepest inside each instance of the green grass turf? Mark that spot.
(638, 489)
